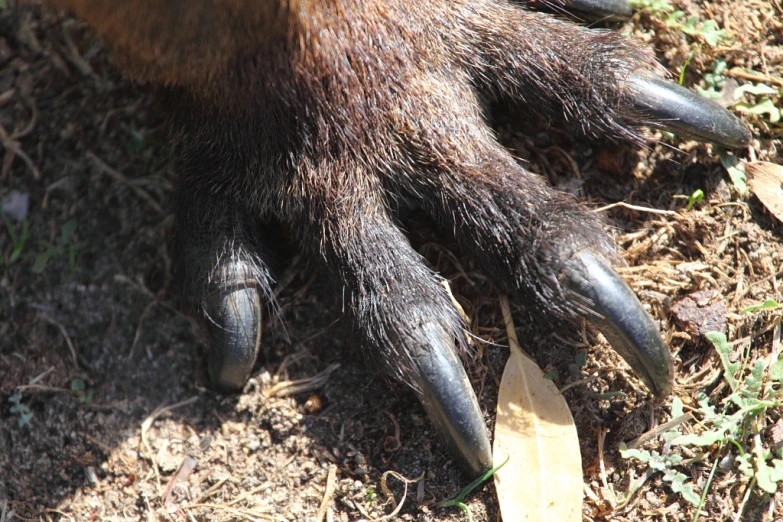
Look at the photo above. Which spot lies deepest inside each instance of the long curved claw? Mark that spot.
(449, 400)
(686, 113)
(618, 314)
(591, 9)
(235, 325)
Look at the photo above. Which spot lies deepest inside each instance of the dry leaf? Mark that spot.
(766, 182)
(542, 480)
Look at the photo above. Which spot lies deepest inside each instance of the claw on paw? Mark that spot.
(686, 113)
(448, 398)
(616, 312)
(235, 325)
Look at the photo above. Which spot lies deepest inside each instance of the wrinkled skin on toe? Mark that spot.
(323, 115)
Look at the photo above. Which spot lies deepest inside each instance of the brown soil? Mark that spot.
(87, 147)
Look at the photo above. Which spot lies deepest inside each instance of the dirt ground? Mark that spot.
(104, 409)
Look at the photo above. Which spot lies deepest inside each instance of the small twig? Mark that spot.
(756, 77)
(129, 109)
(211, 491)
(286, 388)
(6, 96)
(571, 163)
(744, 502)
(11, 144)
(145, 426)
(239, 513)
(774, 352)
(590, 378)
(602, 466)
(388, 493)
(658, 430)
(40, 376)
(30, 124)
(104, 447)
(150, 516)
(633, 488)
(185, 468)
(73, 55)
(160, 410)
(295, 347)
(396, 444)
(452, 258)
(637, 208)
(292, 358)
(27, 388)
(247, 494)
(121, 178)
(139, 329)
(331, 484)
(68, 341)
(125, 279)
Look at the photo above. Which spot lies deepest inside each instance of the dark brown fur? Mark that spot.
(322, 114)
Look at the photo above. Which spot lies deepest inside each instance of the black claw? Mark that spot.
(618, 314)
(449, 400)
(686, 113)
(592, 9)
(600, 9)
(234, 316)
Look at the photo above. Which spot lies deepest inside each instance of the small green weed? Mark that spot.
(731, 164)
(769, 304)
(715, 80)
(457, 501)
(666, 464)
(757, 99)
(760, 107)
(136, 141)
(653, 6)
(20, 409)
(575, 369)
(736, 426)
(79, 388)
(18, 239)
(64, 244)
(688, 61)
(695, 198)
(706, 31)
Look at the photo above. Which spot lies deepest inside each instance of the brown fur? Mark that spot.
(322, 114)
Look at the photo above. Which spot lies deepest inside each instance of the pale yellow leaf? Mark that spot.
(766, 182)
(542, 480)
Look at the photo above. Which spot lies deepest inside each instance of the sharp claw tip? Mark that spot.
(227, 380)
(449, 400)
(686, 113)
